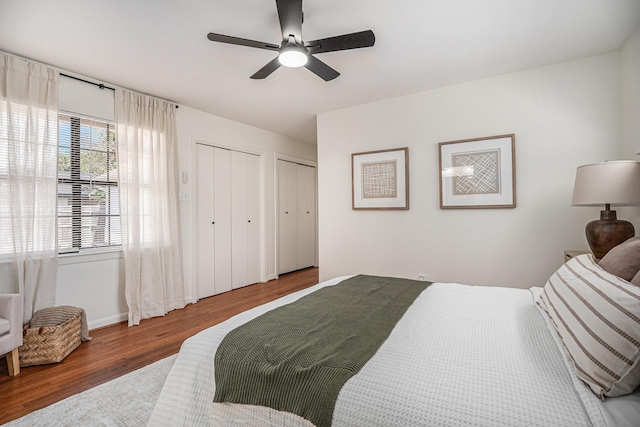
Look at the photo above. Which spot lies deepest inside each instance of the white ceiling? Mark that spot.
(160, 47)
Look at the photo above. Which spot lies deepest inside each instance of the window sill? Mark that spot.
(92, 256)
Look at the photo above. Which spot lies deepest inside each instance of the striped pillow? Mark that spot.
(597, 316)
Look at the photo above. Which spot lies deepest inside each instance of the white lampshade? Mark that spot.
(616, 183)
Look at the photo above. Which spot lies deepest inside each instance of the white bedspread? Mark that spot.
(460, 356)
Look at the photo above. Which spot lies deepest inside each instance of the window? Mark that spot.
(88, 207)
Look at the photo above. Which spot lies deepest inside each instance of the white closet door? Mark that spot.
(287, 217)
(240, 220)
(306, 216)
(222, 212)
(313, 220)
(204, 222)
(228, 220)
(292, 214)
(253, 218)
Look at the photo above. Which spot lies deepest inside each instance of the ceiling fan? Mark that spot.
(293, 51)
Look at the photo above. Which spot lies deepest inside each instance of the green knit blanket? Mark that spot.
(297, 357)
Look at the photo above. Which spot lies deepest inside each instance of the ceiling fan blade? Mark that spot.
(267, 69)
(241, 42)
(344, 42)
(290, 15)
(321, 69)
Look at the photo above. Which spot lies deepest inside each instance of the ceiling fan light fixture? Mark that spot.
(292, 56)
(294, 51)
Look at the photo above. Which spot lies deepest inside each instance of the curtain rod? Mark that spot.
(100, 85)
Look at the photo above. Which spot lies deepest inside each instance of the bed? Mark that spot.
(460, 355)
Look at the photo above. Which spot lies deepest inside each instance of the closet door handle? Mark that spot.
(249, 221)
(213, 222)
(287, 212)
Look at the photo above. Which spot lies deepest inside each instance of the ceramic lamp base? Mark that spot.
(607, 232)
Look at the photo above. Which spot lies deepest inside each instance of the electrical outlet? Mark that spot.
(422, 277)
(184, 196)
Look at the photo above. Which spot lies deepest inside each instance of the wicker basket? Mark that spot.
(49, 344)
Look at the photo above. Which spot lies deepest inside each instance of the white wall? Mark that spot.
(562, 115)
(96, 282)
(630, 80)
(630, 83)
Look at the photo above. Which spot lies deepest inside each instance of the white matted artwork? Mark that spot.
(478, 173)
(380, 179)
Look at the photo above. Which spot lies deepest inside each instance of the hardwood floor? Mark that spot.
(117, 349)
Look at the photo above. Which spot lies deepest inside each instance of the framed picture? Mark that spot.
(380, 179)
(478, 173)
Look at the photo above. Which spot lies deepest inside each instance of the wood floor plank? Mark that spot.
(117, 349)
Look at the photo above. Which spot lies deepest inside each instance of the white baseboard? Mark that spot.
(117, 318)
(106, 321)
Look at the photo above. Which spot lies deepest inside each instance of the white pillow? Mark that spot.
(597, 316)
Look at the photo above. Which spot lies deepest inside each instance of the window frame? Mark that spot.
(76, 182)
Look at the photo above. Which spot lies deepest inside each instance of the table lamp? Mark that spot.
(615, 183)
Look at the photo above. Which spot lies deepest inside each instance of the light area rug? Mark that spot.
(125, 401)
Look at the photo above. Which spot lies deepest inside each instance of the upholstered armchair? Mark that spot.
(11, 330)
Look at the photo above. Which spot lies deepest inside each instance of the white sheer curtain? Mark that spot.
(28, 182)
(147, 158)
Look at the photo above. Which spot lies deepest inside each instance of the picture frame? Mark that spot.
(478, 173)
(380, 179)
